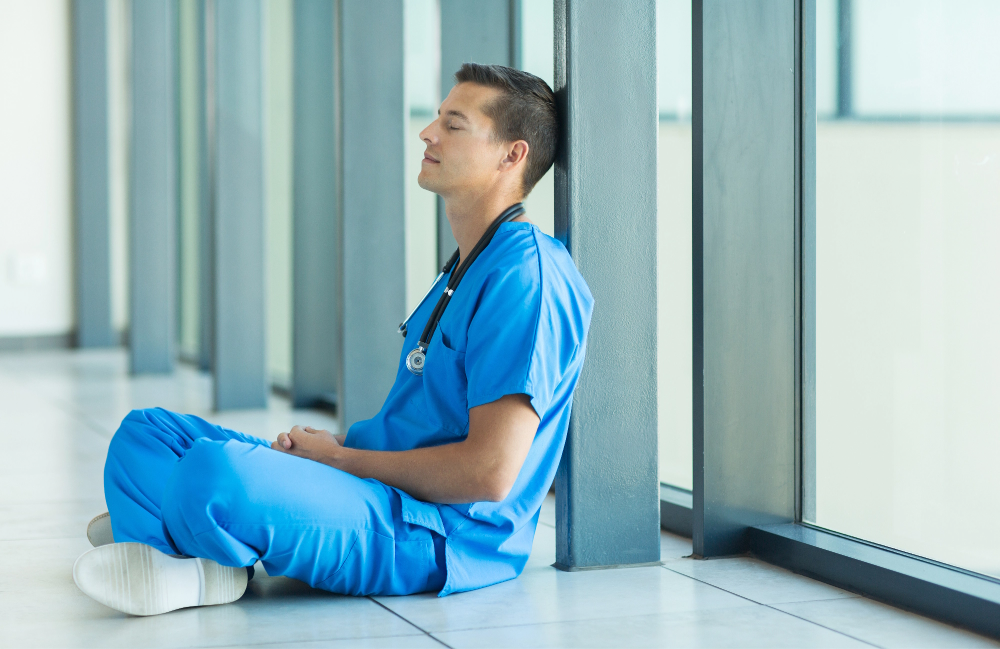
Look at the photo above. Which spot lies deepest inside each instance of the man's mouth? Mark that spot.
(429, 158)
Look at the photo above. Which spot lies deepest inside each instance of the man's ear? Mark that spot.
(517, 153)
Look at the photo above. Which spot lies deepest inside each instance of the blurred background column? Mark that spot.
(607, 494)
(316, 213)
(488, 32)
(374, 202)
(240, 343)
(91, 170)
(152, 251)
(206, 202)
(195, 293)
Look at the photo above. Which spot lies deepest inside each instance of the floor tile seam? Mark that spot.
(849, 596)
(672, 614)
(548, 525)
(410, 622)
(54, 538)
(778, 610)
(598, 617)
(266, 643)
(725, 590)
(823, 626)
(821, 599)
(54, 501)
(895, 608)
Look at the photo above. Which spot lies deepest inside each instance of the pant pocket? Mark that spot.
(416, 565)
(380, 565)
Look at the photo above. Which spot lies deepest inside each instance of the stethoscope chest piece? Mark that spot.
(415, 361)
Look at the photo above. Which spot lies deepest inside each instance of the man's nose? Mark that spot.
(429, 134)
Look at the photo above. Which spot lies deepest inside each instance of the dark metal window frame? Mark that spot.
(931, 588)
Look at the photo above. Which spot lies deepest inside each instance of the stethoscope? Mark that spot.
(416, 358)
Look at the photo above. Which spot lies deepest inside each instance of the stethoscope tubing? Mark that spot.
(415, 359)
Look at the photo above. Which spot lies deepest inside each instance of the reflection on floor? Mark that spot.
(58, 411)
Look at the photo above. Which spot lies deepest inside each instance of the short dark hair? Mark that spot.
(525, 110)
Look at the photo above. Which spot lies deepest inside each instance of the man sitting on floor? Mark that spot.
(441, 490)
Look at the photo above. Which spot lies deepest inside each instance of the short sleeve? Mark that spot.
(507, 345)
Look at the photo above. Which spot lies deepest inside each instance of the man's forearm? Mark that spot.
(483, 466)
(437, 474)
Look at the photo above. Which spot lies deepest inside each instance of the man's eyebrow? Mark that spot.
(456, 113)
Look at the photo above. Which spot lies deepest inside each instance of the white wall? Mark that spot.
(36, 289)
(119, 139)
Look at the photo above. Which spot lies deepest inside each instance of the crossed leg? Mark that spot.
(185, 486)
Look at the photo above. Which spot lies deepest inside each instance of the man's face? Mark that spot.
(460, 156)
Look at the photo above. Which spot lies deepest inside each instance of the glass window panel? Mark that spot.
(926, 57)
(907, 276)
(673, 237)
(423, 87)
(538, 57)
(826, 58)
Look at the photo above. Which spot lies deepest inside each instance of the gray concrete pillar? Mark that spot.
(90, 169)
(316, 208)
(153, 204)
(206, 202)
(607, 491)
(240, 362)
(374, 202)
(744, 290)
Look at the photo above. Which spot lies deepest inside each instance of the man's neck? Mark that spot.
(469, 219)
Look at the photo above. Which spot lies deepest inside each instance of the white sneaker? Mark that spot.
(138, 579)
(99, 530)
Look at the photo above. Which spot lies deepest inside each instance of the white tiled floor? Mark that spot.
(58, 411)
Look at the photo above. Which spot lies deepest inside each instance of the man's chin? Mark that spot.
(426, 183)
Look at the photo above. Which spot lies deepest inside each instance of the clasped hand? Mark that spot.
(308, 442)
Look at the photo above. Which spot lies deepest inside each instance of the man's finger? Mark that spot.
(285, 440)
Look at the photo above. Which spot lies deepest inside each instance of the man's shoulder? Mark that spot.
(534, 268)
(540, 260)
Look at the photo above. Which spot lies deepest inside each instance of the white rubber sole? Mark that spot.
(138, 579)
(99, 530)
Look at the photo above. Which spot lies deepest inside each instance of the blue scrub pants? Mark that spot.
(185, 486)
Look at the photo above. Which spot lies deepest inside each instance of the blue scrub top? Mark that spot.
(517, 324)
